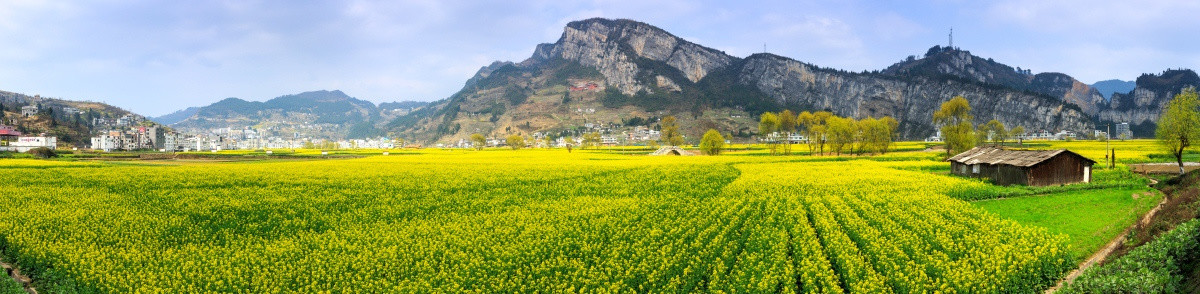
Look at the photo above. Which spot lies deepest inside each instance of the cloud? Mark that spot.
(892, 26)
(809, 37)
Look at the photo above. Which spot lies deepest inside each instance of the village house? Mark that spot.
(29, 110)
(8, 134)
(1023, 167)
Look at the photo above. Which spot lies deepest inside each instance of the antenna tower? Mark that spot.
(951, 37)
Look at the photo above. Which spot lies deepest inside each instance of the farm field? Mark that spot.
(1090, 217)
(547, 221)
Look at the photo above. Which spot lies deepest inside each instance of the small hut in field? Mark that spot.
(672, 150)
(1023, 167)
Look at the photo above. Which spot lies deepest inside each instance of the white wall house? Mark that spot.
(24, 144)
(105, 143)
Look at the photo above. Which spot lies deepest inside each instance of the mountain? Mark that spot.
(1108, 87)
(71, 122)
(946, 62)
(177, 116)
(1142, 106)
(616, 74)
(316, 114)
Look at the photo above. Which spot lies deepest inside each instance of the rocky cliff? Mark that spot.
(912, 102)
(644, 71)
(615, 47)
(1142, 106)
(1069, 90)
(945, 62)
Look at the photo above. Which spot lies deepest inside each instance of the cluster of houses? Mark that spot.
(1122, 132)
(783, 137)
(13, 141)
(157, 138)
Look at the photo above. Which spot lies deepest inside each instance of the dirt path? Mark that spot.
(15, 273)
(1101, 255)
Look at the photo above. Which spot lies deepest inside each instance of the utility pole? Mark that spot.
(951, 38)
(1108, 145)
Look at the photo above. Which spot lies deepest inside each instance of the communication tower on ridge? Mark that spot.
(951, 37)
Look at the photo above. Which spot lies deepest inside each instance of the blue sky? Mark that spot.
(154, 57)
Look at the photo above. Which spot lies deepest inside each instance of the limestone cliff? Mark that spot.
(912, 102)
(1142, 106)
(945, 62)
(614, 47)
(609, 72)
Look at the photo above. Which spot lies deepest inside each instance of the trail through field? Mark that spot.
(1108, 249)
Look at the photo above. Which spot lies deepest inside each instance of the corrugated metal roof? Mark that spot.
(994, 156)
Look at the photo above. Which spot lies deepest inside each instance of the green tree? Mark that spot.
(955, 118)
(997, 131)
(768, 124)
(1179, 125)
(549, 141)
(590, 140)
(478, 141)
(873, 133)
(1018, 132)
(787, 121)
(889, 126)
(670, 131)
(515, 142)
(787, 126)
(981, 134)
(712, 142)
(841, 133)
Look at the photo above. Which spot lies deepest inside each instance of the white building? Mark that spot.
(105, 143)
(29, 110)
(24, 144)
(935, 138)
(608, 140)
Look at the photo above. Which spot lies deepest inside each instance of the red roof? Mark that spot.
(8, 131)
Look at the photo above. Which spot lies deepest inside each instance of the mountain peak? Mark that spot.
(624, 50)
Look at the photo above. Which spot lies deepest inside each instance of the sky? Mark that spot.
(155, 57)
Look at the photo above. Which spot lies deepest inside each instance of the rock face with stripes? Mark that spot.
(644, 70)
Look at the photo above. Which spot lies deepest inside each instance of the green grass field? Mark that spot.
(1090, 217)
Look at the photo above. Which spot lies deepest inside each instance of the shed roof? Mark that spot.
(1022, 158)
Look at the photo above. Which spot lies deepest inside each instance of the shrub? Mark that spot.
(1157, 267)
(42, 152)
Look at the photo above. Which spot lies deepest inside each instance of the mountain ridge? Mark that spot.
(320, 114)
(643, 70)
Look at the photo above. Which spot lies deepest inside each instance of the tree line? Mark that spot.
(821, 129)
(959, 132)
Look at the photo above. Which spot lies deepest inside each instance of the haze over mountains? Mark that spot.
(613, 75)
(1109, 87)
(319, 114)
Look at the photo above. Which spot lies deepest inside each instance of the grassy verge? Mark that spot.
(1157, 267)
(10, 286)
(1090, 217)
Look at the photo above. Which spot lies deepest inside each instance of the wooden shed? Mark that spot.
(1023, 167)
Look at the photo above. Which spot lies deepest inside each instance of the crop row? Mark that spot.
(494, 222)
